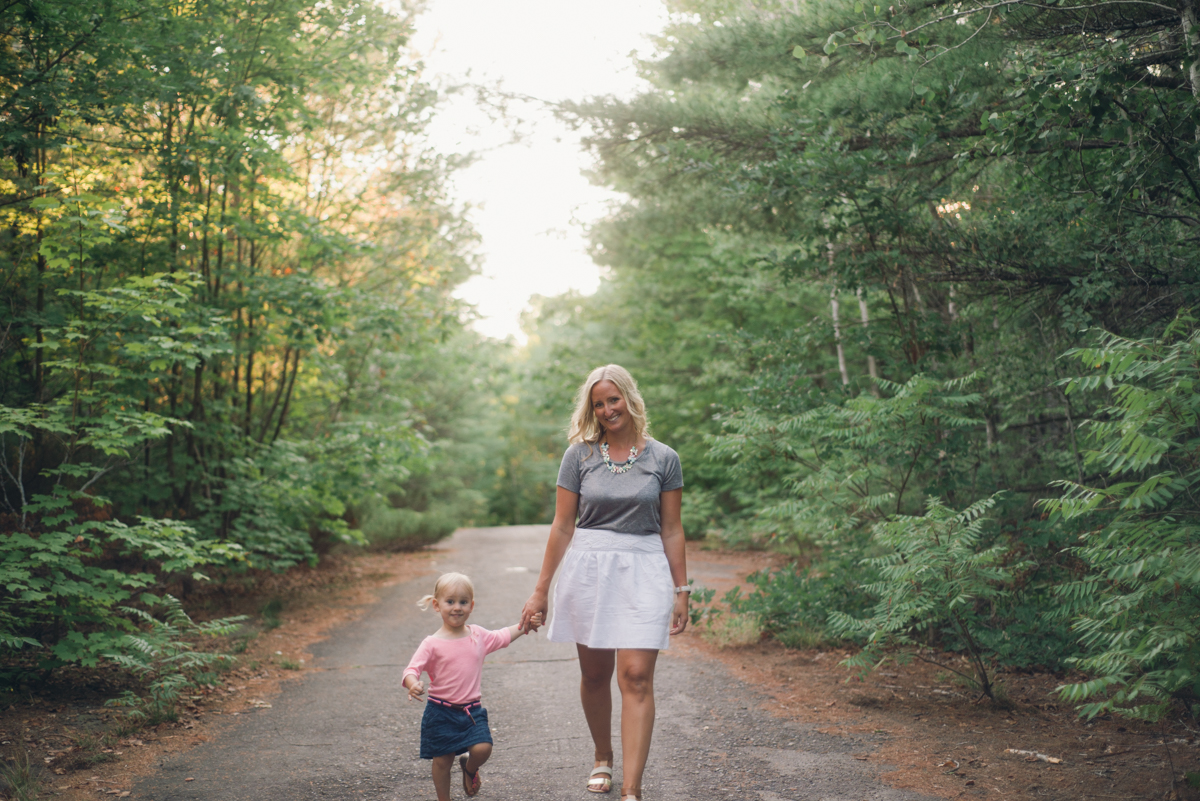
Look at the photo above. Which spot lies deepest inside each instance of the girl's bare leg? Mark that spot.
(595, 690)
(441, 776)
(635, 677)
(478, 754)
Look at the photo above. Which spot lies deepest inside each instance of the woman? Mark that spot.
(623, 585)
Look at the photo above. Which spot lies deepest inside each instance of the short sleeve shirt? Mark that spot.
(627, 502)
(455, 667)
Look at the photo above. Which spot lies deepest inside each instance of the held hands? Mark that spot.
(534, 623)
(534, 610)
(416, 690)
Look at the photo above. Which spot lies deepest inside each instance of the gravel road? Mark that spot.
(346, 731)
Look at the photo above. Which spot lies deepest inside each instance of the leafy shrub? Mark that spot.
(936, 572)
(389, 528)
(163, 655)
(1138, 611)
(795, 599)
(852, 463)
(66, 576)
(699, 510)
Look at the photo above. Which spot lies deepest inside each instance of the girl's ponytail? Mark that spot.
(425, 602)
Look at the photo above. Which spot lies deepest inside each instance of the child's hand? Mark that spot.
(534, 623)
(416, 691)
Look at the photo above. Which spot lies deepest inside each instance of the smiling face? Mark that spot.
(609, 407)
(454, 605)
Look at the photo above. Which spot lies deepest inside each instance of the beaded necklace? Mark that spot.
(618, 468)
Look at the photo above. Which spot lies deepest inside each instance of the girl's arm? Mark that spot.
(516, 631)
(416, 666)
(415, 687)
(566, 506)
(673, 545)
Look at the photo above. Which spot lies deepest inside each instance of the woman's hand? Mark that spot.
(679, 617)
(533, 613)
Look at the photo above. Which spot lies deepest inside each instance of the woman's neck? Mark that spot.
(622, 441)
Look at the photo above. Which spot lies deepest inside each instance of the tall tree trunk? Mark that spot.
(872, 366)
(283, 374)
(249, 371)
(287, 400)
(837, 337)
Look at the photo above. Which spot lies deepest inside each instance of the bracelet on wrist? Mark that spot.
(685, 588)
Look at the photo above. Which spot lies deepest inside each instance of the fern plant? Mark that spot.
(164, 656)
(1138, 611)
(936, 573)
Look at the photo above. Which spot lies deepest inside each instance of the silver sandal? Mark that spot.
(600, 779)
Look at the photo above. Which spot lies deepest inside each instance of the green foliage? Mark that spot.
(849, 464)
(164, 656)
(64, 581)
(1137, 611)
(794, 604)
(937, 571)
(228, 269)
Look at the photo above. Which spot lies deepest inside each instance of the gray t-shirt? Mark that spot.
(628, 502)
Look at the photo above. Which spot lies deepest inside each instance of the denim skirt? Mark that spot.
(452, 731)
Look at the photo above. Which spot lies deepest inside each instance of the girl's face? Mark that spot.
(609, 406)
(454, 605)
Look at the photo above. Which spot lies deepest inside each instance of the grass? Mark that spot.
(20, 776)
(801, 637)
(89, 751)
(733, 631)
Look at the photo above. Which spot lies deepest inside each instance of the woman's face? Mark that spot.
(610, 408)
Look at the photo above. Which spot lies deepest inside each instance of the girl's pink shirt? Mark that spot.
(455, 667)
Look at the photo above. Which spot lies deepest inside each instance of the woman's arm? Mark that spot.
(673, 545)
(566, 506)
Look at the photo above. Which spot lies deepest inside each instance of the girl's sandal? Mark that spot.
(471, 781)
(631, 795)
(600, 779)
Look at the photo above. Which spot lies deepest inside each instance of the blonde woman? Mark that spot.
(622, 588)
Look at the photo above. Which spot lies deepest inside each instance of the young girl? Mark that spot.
(454, 721)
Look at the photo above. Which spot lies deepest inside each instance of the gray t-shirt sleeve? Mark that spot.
(568, 471)
(672, 471)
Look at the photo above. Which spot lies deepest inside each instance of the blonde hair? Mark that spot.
(585, 426)
(445, 583)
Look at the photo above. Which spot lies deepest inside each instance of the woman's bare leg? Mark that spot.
(635, 677)
(595, 690)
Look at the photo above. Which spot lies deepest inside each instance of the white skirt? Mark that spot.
(614, 591)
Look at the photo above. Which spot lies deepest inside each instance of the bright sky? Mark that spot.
(531, 198)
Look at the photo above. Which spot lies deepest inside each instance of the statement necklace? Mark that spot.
(618, 468)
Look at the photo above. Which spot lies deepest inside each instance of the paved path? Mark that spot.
(347, 732)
